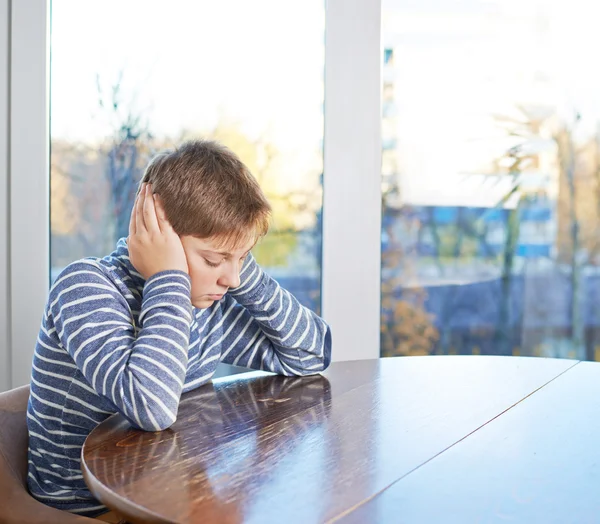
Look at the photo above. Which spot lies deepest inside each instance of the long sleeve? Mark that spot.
(139, 369)
(270, 330)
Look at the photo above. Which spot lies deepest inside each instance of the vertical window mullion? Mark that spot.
(352, 177)
(5, 378)
(29, 164)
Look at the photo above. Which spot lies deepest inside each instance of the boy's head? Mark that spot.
(216, 207)
(207, 192)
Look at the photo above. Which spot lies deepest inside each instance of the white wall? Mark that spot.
(5, 364)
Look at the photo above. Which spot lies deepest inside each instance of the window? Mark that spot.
(131, 78)
(491, 208)
(95, 57)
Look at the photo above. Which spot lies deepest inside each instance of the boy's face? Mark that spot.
(213, 270)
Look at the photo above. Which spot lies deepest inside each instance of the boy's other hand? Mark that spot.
(153, 244)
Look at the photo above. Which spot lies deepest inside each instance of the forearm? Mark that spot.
(157, 365)
(296, 333)
(141, 371)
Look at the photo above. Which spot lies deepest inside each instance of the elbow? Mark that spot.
(326, 349)
(164, 421)
(153, 416)
(153, 424)
(147, 410)
(162, 426)
(322, 363)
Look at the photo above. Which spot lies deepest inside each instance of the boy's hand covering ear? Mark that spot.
(153, 244)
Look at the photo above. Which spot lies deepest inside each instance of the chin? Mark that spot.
(202, 303)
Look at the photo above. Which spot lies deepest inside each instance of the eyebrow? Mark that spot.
(224, 253)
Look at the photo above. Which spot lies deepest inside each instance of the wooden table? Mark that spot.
(416, 439)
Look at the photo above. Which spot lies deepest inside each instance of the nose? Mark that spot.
(230, 277)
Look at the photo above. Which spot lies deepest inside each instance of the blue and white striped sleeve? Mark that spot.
(140, 372)
(270, 330)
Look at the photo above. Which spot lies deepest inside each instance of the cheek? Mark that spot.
(201, 276)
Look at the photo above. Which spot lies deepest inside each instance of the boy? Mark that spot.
(131, 332)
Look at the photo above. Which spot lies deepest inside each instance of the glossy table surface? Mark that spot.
(413, 439)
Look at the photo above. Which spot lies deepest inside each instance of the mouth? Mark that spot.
(215, 297)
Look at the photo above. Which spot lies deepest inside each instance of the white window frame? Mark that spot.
(28, 166)
(351, 273)
(5, 354)
(352, 180)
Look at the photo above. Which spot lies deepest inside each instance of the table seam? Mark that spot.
(363, 502)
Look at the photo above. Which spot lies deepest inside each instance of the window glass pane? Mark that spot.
(490, 174)
(132, 77)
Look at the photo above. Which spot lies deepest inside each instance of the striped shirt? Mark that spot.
(112, 342)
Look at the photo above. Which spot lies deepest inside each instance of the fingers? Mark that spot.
(132, 225)
(138, 210)
(149, 211)
(163, 222)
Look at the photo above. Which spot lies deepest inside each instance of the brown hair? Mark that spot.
(207, 192)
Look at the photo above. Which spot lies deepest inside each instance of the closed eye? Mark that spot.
(212, 264)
